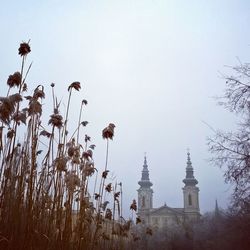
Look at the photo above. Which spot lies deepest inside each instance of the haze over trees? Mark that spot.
(223, 228)
(231, 152)
(45, 201)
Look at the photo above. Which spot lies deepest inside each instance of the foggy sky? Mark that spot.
(150, 67)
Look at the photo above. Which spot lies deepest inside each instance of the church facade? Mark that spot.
(166, 216)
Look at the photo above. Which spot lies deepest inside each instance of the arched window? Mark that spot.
(143, 201)
(189, 200)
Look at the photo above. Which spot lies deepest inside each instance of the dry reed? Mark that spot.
(44, 195)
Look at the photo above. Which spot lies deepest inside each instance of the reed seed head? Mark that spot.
(108, 132)
(133, 206)
(14, 80)
(74, 85)
(24, 49)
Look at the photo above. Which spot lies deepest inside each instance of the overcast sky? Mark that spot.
(151, 67)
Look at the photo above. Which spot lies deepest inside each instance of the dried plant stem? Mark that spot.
(102, 184)
(22, 68)
(79, 123)
(99, 202)
(45, 203)
(66, 121)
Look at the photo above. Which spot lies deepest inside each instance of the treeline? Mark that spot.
(227, 230)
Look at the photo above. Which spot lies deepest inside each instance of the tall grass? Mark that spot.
(45, 201)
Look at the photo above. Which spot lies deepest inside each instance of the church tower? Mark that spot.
(191, 193)
(145, 194)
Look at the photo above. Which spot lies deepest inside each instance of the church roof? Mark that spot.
(166, 210)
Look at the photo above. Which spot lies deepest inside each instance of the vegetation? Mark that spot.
(215, 230)
(45, 176)
(45, 202)
(227, 229)
(231, 150)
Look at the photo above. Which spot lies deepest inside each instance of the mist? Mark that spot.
(152, 68)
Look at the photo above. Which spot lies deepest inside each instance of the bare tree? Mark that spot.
(231, 150)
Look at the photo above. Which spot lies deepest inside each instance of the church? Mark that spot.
(166, 216)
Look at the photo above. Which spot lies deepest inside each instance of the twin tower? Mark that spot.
(165, 216)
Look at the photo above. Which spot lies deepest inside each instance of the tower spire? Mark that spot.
(190, 179)
(145, 181)
(191, 192)
(145, 193)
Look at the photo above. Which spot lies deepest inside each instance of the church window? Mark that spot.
(155, 221)
(165, 221)
(143, 201)
(189, 200)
